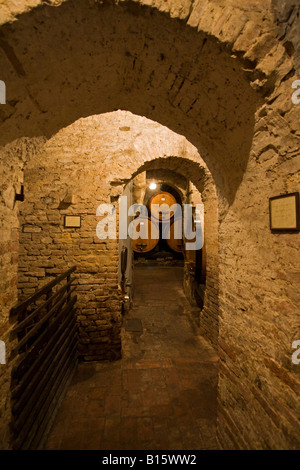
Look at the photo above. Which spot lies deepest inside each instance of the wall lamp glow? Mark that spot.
(152, 185)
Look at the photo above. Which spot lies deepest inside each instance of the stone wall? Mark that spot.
(259, 320)
(13, 158)
(89, 163)
(259, 385)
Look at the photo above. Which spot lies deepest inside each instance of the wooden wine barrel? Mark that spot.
(144, 245)
(168, 233)
(162, 198)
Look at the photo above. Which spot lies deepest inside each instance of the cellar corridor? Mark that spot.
(161, 394)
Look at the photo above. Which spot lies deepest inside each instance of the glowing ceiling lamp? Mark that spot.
(152, 185)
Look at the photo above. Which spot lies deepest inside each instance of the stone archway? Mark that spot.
(90, 162)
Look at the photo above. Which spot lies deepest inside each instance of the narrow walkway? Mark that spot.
(161, 395)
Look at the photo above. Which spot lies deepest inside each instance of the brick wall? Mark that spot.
(13, 158)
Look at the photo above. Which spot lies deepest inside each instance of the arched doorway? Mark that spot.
(96, 173)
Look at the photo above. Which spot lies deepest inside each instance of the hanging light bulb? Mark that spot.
(152, 185)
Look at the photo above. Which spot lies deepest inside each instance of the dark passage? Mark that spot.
(161, 395)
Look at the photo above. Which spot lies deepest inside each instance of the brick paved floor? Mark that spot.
(160, 395)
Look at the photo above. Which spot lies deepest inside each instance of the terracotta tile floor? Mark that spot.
(160, 395)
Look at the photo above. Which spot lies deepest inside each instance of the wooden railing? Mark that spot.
(44, 358)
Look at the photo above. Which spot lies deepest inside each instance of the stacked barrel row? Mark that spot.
(162, 222)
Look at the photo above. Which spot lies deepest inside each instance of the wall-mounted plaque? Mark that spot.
(284, 212)
(72, 221)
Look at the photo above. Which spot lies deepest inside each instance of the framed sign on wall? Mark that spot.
(72, 221)
(284, 212)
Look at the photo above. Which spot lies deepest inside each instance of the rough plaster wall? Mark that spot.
(92, 160)
(12, 161)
